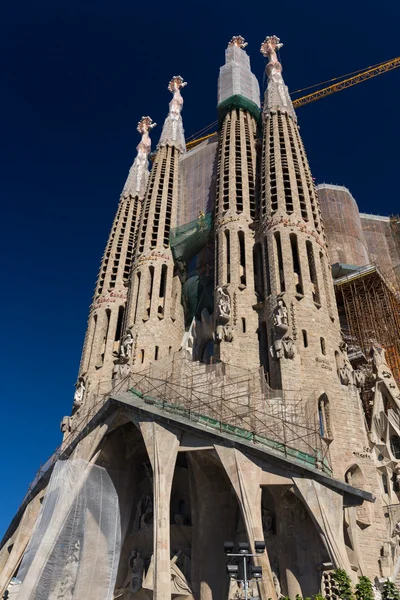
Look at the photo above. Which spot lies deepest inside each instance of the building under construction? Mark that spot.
(239, 378)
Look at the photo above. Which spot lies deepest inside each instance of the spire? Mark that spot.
(139, 171)
(277, 94)
(237, 85)
(173, 133)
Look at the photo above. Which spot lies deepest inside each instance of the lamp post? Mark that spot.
(244, 552)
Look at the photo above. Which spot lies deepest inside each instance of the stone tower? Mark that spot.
(106, 316)
(236, 321)
(154, 321)
(307, 357)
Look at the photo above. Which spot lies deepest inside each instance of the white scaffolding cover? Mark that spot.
(236, 78)
(74, 550)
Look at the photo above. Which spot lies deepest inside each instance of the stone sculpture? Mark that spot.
(283, 343)
(64, 589)
(223, 331)
(144, 513)
(126, 345)
(65, 425)
(79, 393)
(343, 365)
(136, 565)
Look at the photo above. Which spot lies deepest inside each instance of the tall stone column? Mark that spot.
(162, 445)
(245, 476)
(236, 320)
(154, 311)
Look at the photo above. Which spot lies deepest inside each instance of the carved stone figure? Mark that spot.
(64, 589)
(179, 583)
(223, 305)
(396, 532)
(126, 345)
(79, 393)
(136, 565)
(359, 378)
(343, 365)
(65, 425)
(267, 522)
(144, 514)
(283, 343)
(377, 354)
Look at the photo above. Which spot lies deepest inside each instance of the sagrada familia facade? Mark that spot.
(224, 392)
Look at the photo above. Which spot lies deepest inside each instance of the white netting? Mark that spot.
(236, 78)
(74, 550)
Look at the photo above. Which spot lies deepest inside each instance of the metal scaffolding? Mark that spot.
(237, 402)
(372, 314)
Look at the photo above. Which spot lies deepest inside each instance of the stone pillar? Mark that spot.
(213, 519)
(162, 443)
(245, 476)
(21, 539)
(326, 510)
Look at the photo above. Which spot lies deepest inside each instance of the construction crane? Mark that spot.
(351, 79)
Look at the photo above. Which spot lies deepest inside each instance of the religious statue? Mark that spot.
(343, 365)
(359, 377)
(79, 393)
(223, 331)
(283, 343)
(65, 586)
(126, 345)
(136, 565)
(144, 513)
(65, 425)
(223, 305)
(377, 353)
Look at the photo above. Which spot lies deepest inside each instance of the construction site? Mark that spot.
(239, 377)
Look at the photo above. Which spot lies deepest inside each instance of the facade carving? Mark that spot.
(220, 404)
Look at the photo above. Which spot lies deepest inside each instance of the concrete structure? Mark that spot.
(251, 424)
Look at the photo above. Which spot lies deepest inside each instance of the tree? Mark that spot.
(364, 589)
(390, 591)
(342, 587)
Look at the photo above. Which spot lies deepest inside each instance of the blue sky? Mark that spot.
(76, 77)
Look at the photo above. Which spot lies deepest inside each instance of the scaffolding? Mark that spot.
(237, 402)
(372, 314)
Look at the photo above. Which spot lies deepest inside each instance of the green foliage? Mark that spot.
(364, 589)
(390, 591)
(342, 587)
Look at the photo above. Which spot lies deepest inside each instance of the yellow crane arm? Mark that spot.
(336, 87)
(331, 89)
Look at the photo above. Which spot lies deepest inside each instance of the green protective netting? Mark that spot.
(188, 240)
(193, 256)
(238, 101)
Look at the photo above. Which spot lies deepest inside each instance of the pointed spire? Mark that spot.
(172, 133)
(277, 94)
(139, 172)
(236, 81)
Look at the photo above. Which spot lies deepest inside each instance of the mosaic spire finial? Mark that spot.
(138, 175)
(277, 94)
(172, 133)
(239, 41)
